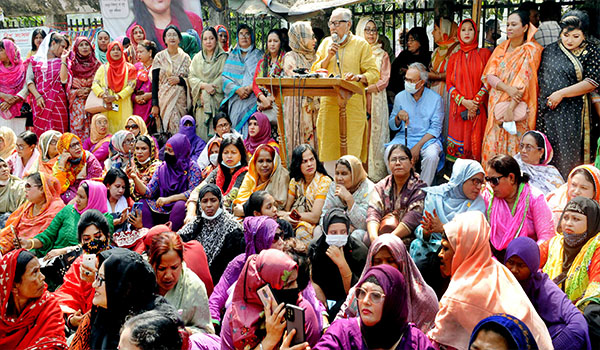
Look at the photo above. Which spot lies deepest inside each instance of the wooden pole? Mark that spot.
(476, 13)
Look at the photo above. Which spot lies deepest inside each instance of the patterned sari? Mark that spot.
(82, 70)
(55, 115)
(173, 100)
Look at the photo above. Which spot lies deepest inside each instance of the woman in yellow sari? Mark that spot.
(510, 76)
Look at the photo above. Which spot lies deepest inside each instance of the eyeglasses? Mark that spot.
(130, 141)
(371, 31)
(336, 23)
(477, 182)
(399, 159)
(244, 35)
(74, 146)
(494, 180)
(223, 126)
(21, 147)
(54, 142)
(131, 127)
(374, 296)
(529, 148)
(100, 280)
(172, 35)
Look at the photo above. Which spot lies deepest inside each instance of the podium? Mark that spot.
(310, 87)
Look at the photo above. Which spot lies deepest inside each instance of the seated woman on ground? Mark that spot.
(534, 159)
(36, 214)
(99, 141)
(144, 165)
(261, 203)
(583, 181)
(23, 162)
(178, 284)
(265, 172)
(118, 203)
(502, 332)
(76, 292)
(12, 192)
(221, 125)
(48, 153)
(259, 133)
(306, 193)
(121, 147)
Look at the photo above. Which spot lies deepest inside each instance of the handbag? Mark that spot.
(55, 269)
(94, 104)
(519, 113)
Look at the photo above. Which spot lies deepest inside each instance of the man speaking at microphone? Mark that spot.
(350, 57)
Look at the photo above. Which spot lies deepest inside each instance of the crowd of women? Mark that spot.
(150, 203)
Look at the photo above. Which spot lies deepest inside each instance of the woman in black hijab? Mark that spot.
(417, 50)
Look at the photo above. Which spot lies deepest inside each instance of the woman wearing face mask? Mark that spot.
(76, 293)
(583, 181)
(121, 145)
(390, 250)
(213, 154)
(228, 176)
(187, 127)
(82, 68)
(510, 76)
(534, 157)
(260, 233)
(178, 284)
(206, 82)
(265, 172)
(337, 259)
(61, 234)
(468, 96)
(442, 203)
(170, 185)
(12, 192)
(259, 133)
(216, 229)
(569, 71)
(24, 160)
(383, 306)
(567, 326)
(73, 166)
(48, 152)
(221, 125)
(350, 192)
(99, 140)
(124, 285)
(572, 259)
(242, 322)
(30, 317)
(145, 164)
(35, 215)
(118, 202)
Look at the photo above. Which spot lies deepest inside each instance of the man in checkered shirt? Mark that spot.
(549, 30)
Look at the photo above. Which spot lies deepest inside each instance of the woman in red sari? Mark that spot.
(30, 317)
(44, 83)
(468, 95)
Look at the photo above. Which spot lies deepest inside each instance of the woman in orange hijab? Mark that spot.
(114, 83)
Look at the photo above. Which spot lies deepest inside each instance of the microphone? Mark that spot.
(335, 37)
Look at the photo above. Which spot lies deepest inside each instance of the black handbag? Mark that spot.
(55, 269)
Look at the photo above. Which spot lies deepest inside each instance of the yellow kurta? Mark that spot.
(116, 120)
(355, 57)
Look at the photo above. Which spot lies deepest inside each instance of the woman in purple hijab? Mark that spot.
(171, 185)
(187, 127)
(566, 324)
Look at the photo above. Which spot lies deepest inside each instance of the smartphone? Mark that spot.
(294, 215)
(89, 261)
(136, 206)
(294, 316)
(16, 236)
(264, 293)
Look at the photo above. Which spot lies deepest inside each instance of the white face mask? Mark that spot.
(3, 182)
(213, 158)
(411, 88)
(336, 240)
(219, 211)
(231, 167)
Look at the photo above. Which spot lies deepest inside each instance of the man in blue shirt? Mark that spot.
(420, 109)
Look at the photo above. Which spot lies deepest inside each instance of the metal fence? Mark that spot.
(261, 24)
(22, 22)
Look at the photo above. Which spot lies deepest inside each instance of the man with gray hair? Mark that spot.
(418, 117)
(349, 57)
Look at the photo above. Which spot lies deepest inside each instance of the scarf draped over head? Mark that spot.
(83, 67)
(518, 330)
(221, 28)
(39, 325)
(118, 70)
(300, 35)
(10, 141)
(95, 135)
(356, 169)
(259, 232)
(394, 314)
(464, 47)
(196, 143)
(272, 267)
(591, 210)
(335, 216)
(117, 141)
(548, 152)
(376, 47)
(480, 286)
(153, 158)
(101, 55)
(130, 35)
(68, 176)
(264, 133)
(97, 195)
(190, 43)
(174, 179)
(594, 173)
(44, 143)
(13, 77)
(139, 122)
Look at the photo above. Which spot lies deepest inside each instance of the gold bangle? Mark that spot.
(32, 243)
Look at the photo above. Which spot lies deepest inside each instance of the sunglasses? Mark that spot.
(131, 127)
(494, 180)
(375, 296)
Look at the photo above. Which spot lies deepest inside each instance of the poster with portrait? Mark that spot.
(120, 16)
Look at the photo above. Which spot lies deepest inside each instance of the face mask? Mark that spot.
(573, 240)
(339, 41)
(219, 211)
(336, 240)
(75, 161)
(247, 49)
(231, 167)
(287, 296)
(411, 88)
(95, 246)
(144, 162)
(3, 182)
(170, 159)
(213, 158)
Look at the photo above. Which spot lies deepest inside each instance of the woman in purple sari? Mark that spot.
(171, 185)
(383, 317)
(142, 96)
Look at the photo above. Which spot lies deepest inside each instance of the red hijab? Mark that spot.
(83, 67)
(118, 69)
(39, 325)
(470, 60)
(130, 35)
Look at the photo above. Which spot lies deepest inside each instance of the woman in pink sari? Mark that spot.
(142, 95)
(82, 68)
(12, 71)
(46, 85)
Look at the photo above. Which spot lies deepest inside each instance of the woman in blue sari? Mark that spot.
(238, 75)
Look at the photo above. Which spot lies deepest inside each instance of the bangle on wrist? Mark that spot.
(32, 243)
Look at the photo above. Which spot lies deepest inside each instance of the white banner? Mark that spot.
(22, 37)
